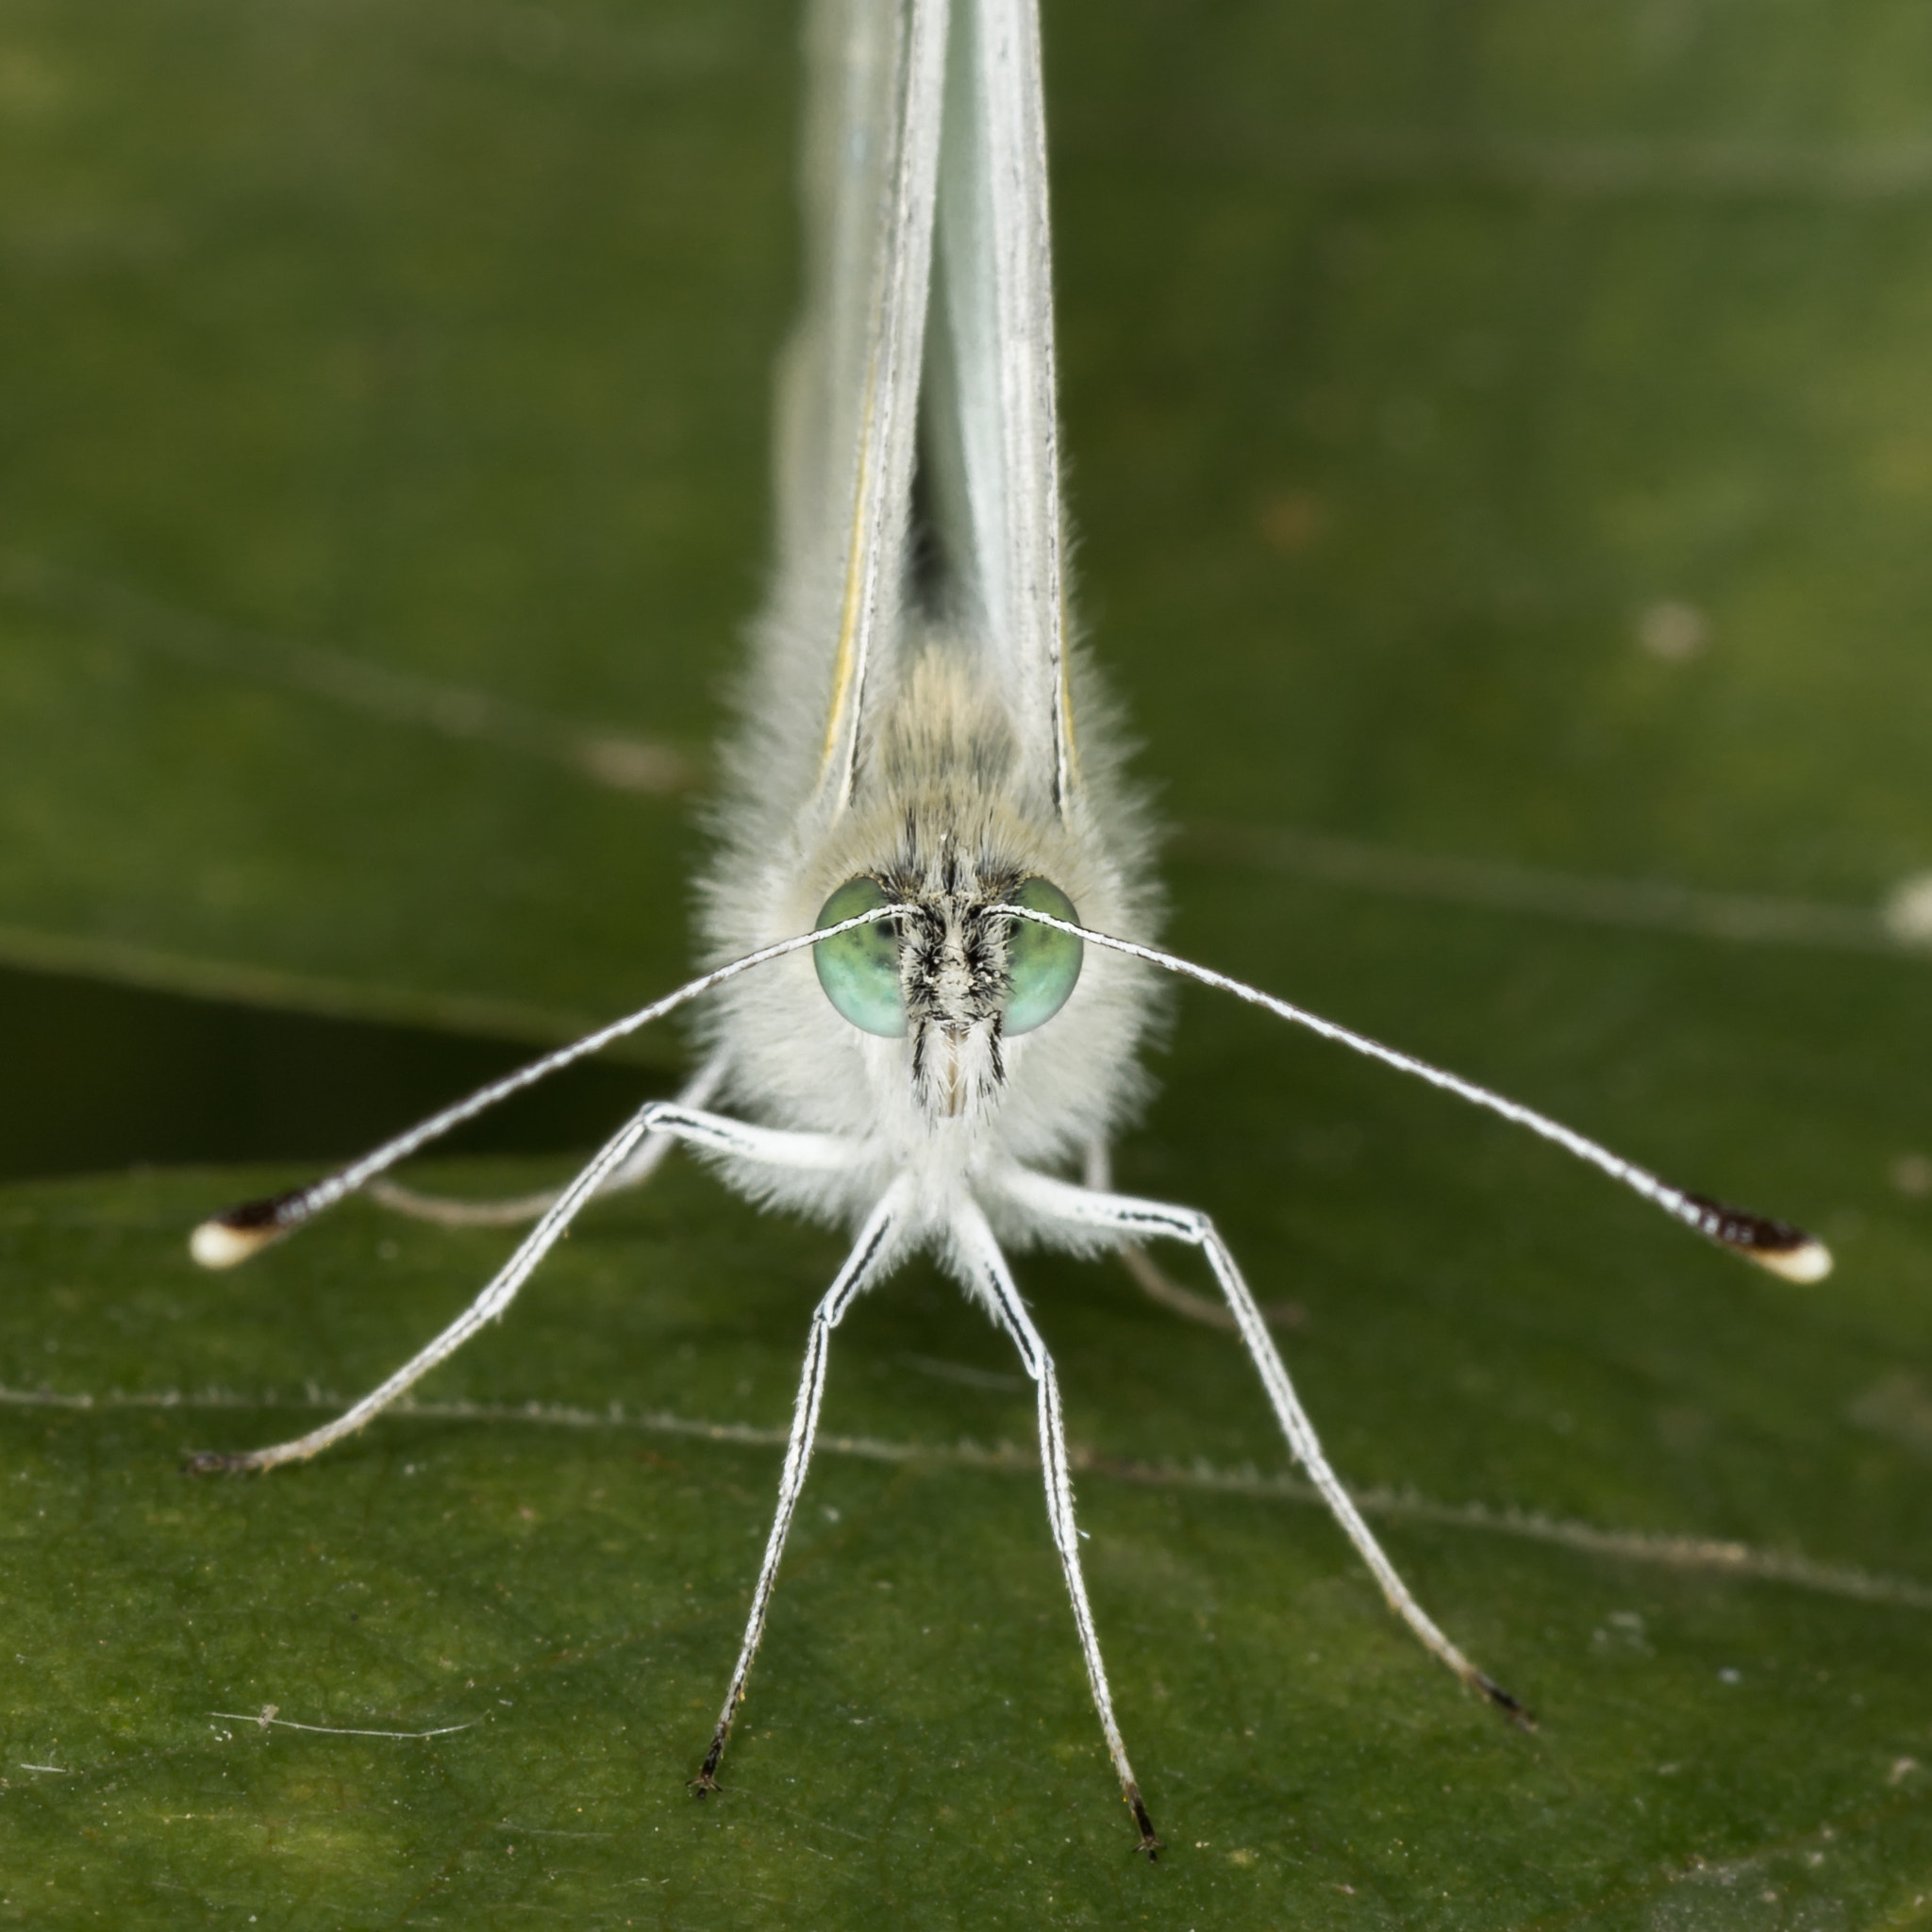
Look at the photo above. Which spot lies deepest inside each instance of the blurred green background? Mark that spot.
(1501, 445)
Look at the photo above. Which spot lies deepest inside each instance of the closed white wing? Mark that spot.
(848, 390)
(991, 442)
(923, 355)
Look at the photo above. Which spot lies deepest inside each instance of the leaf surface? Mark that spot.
(1500, 440)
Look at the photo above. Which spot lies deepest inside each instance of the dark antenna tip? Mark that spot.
(1786, 1250)
(232, 1236)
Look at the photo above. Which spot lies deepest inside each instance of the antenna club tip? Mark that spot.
(1810, 1261)
(1788, 1252)
(215, 1244)
(231, 1237)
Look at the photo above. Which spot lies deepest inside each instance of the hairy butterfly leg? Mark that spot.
(713, 1131)
(978, 1256)
(512, 1210)
(1058, 1202)
(1156, 1283)
(871, 1254)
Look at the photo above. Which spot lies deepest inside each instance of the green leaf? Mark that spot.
(394, 389)
(557, 1556)
(1502, 448)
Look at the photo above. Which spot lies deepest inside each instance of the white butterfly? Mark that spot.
(908, 801)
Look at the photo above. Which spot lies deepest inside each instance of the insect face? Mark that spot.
(955, 976)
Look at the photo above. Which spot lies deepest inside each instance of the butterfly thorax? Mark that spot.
(945, 819)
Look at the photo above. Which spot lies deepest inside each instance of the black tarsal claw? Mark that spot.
(1150, 1842)
(1518, 1713)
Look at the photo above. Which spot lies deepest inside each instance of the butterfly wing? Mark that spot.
(925, 348)
(848, 390)
(989, 441)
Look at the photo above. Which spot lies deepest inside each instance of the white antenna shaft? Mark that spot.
(1777, 1245)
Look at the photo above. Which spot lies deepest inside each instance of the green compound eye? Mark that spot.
(860, 970)
(1044, 965)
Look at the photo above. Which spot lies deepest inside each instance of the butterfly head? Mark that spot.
(957, 975)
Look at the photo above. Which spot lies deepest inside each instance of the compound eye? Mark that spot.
(1042, 965)
(860, 970)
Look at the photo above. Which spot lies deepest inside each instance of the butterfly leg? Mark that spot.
(873, 1250)
(665, 1117)
(977, 1254)
(512, 1210)
(1156, 1283)
(1055, 1201)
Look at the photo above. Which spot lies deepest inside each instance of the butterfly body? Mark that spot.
(940, 815)
(929, 920)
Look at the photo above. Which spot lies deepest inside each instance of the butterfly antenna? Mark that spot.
(233, 1236)
(1785, 1250)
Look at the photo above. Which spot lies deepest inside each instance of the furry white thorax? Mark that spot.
(945, 813)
